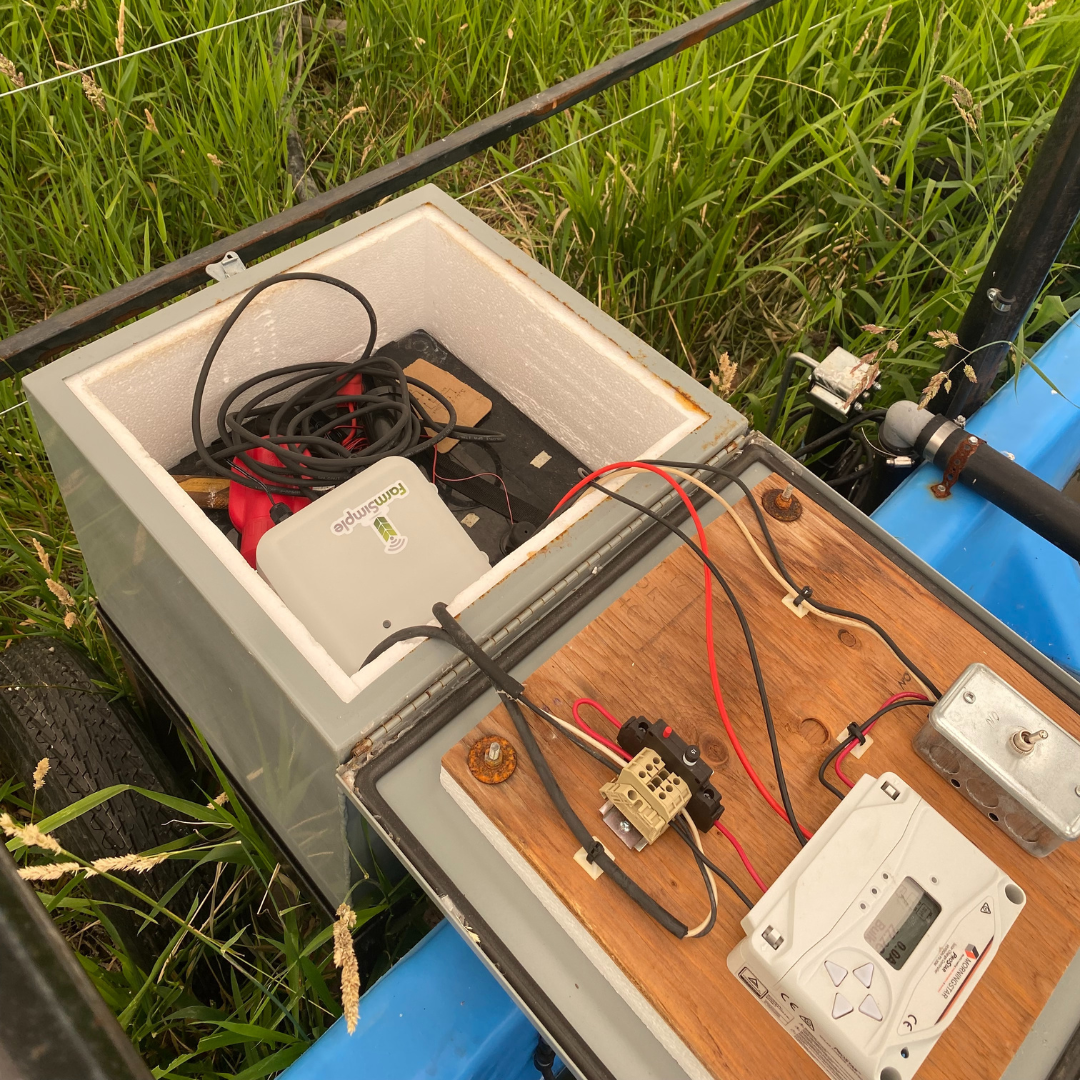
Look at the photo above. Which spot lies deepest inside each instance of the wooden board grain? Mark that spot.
(645, 656)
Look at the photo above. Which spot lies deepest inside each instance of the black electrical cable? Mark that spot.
(512, 692)
(682, 831)
(594, 849)
(770, 726)
(849, 477)
(710, 889)
(862, 729)
(295, 412)
(406, 633)
(782, 388)
(717, 470)
(544, 1062)
(838, 433)
(509, 683)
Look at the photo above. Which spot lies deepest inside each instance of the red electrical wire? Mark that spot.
(726, 832)
(710, 648)
(851, 745)
(722, 829)
(598, 707)
(596, 734)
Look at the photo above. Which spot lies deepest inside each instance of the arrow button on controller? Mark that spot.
(869, 1007)
(841, 1006)
(836, 972)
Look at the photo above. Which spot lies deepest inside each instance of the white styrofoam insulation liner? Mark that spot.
(420, 271)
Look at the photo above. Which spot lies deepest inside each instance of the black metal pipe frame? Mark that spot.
(967, 460)
(78, 324)
(1044, 215)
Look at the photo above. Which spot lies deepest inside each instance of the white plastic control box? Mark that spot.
(369, 558)
(867, 946)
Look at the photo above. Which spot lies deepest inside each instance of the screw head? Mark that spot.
(624, 826)
(969, 697)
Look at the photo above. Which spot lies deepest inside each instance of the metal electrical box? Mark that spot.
(1006, 757)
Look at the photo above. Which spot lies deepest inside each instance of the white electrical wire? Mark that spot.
(148, 49)
(702, 926)
(646, 108)
(585, 737)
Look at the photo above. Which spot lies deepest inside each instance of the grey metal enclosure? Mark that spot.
(274, 706)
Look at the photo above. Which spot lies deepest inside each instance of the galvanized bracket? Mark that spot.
(230, 265)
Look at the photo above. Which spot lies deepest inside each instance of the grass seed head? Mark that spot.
(943, 338)
(884, 27)
(48, 871)
(933, 386)
(723, 379)
(30, 835)
(215, 160)
(42, 555)
(137, 863)
(120, 29)
(151, 125)
(8, 68)
(60, 592)
(961, 94)
(1036, 12)
(345, 958)
(94, 94)
(40, 772)
(862, 41)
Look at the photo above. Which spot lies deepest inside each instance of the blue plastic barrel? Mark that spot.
(1022, 579)
(437, 1014)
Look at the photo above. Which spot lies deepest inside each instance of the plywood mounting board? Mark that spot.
(645, 656)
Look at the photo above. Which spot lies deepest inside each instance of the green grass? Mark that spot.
(812, 174)
(246, 981)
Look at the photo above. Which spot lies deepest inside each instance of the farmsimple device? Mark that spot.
(447, 565)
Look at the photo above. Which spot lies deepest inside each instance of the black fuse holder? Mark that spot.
(682, 758)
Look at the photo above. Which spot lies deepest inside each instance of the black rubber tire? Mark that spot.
(50, 707)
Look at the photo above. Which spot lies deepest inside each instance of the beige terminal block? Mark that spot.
(647, 795)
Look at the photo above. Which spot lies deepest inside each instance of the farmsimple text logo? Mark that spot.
(373, 513)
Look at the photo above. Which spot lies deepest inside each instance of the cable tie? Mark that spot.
(856, 733)
(594, 852)
(803, 594)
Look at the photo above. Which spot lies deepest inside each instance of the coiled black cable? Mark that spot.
(299, 414)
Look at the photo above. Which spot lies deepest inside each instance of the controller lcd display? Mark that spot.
(902, 923)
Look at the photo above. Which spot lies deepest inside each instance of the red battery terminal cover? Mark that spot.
(249, 508)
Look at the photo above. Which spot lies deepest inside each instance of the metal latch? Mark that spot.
(841, 382)
(230, 266)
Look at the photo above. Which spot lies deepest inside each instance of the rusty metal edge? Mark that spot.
(75, 325)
